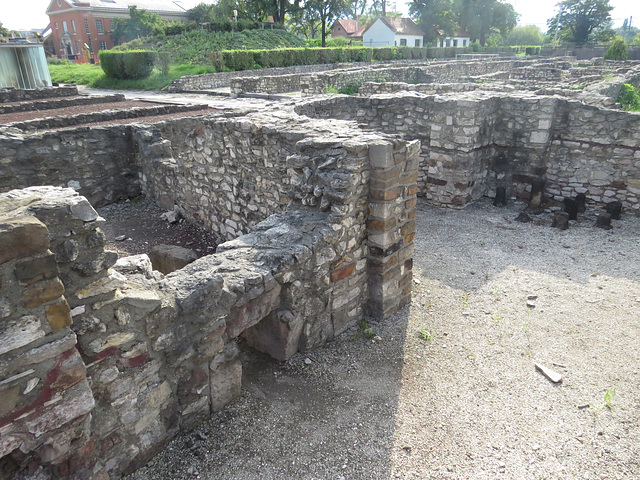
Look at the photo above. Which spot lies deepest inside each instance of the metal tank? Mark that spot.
(23, 65)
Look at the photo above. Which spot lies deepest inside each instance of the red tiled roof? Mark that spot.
(403, 26)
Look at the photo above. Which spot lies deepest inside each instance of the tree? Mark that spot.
(636, 40)
(626, 31)
(481, 18)
(577, 20)
(141, 24)
(327, 11)
(3, 31)
(434, 17)
(527, 35)
(200, 13)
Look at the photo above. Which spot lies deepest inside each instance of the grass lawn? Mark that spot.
(93, 76)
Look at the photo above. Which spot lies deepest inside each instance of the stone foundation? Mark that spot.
(102, 363)
(476, 141)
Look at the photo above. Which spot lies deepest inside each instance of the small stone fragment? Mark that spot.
(120, 238)
(560, 221)
(614, 209)
(550, 374)
(604, 221)
(169, 258)
(500, 199)
(523, 217)
(308, 361)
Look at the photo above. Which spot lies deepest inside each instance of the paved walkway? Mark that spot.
(215, 101)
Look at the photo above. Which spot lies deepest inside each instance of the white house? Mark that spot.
(393, 31)
(461, 39)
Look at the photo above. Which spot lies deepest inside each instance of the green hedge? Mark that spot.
(286, 57)
(535, 50)
(133, 64)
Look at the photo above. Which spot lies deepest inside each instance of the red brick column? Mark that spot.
(391, 224)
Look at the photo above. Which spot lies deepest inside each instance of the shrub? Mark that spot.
(629, 98)
(134, 64)
(535, 50)
(350, 89)
(238, 59)
(617, 51)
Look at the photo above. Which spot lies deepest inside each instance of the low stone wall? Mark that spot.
(104, 116)
(132, 357)
(267, 84)
(18, 95)
(537, 73)
(474, 142)
(98, 162)
(587, 53)
(318, 83)
(223, 79)
(59, 103)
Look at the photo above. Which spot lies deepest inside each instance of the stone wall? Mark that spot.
(97, 161)
(266, 84)
(476, 141)
(102, 362)
(18, 95)
(60, 102)
(153, 109)
(223, 79)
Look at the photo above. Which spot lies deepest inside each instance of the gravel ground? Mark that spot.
(447, 389)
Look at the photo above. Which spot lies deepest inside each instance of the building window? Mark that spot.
(103, 45)
(56, 25)
(417, 42)
(403, 42)
(447, 43)
(64, 27)
(73, 26)
(464, 42)
(99, 26)
(91, 48)
(86, 26)
(455, 42)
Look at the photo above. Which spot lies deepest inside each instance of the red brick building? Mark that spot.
(351, 29)
(76, 23)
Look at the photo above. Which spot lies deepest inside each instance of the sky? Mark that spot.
(28, 14)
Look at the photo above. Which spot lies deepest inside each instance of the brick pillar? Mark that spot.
(391, 224)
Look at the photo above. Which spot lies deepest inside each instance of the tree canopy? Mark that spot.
(526, 35)
(479, 18)
(141, 24)
(3, 31)
(327, 11)
(577, 21)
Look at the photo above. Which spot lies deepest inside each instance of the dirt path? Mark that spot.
(449, 390)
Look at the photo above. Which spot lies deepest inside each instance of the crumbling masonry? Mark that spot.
(103, 360)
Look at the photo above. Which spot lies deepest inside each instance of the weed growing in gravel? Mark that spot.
(465, 300)
(425, 334)
(608, 399)
(367, 331)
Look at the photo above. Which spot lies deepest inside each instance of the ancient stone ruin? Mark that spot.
(103, 360)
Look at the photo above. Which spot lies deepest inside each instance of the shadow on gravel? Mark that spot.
(326, 414)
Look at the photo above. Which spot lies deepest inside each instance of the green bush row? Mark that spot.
(535, 50)
(286, 57)
(132, 64)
